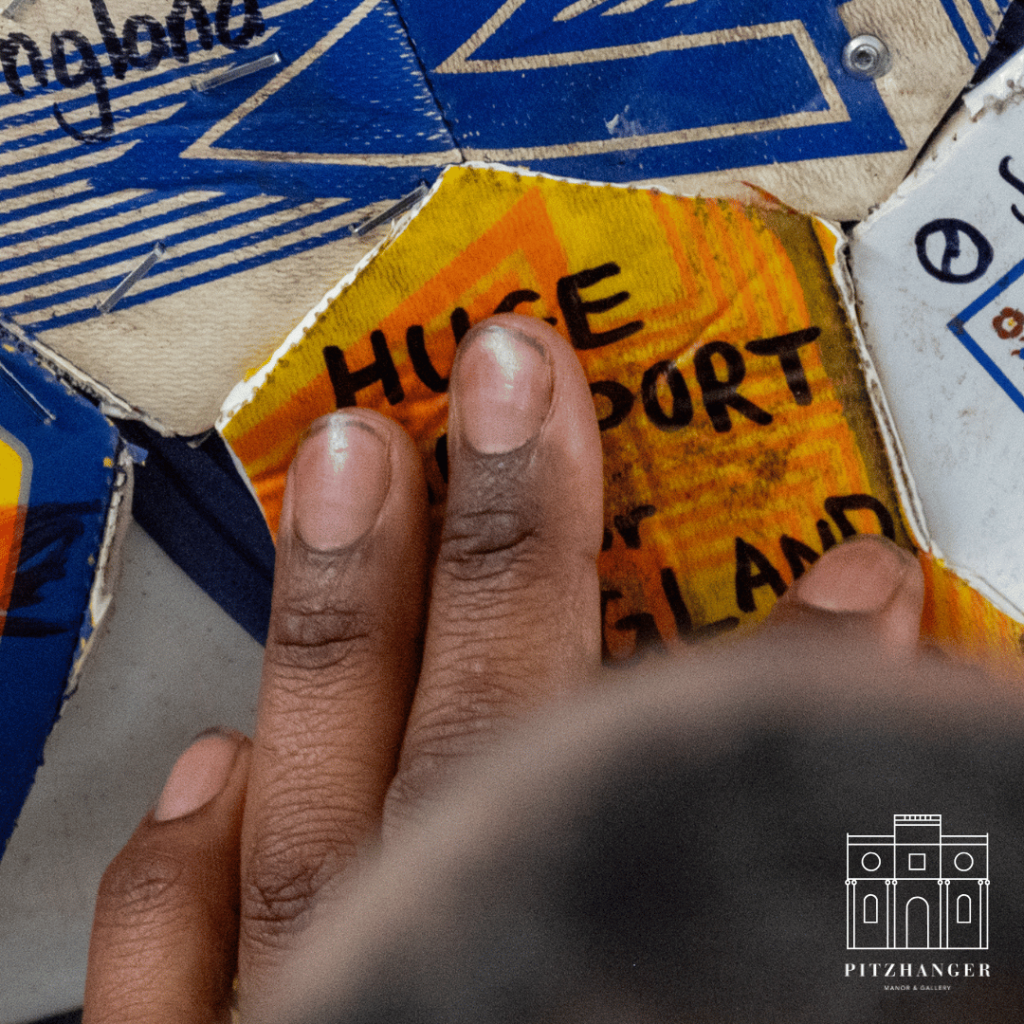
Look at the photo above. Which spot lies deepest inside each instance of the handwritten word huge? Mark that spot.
(720, 367)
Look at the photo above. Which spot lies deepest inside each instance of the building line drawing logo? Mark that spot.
(917, 888)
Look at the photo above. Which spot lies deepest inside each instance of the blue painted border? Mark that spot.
(958, 325)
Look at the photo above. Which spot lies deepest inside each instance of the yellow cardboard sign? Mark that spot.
(738, 435)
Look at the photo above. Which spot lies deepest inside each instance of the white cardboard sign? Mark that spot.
(939, 271)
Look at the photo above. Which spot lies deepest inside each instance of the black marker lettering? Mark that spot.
(621, 398)
(682, 405)
(157, 42)
(645, 629)
(115, 53)
(719, 395)
(951, 230)
(176, 28)
(1008, 176)
(825, 535)
(798, 554)
(517, 298)
(575, 308)
(441, 454)
(836, 509)
(460, 323)
(629, 525)
(89, 71)
(787, 348)
(747, 581)
(348, 383)
(415, 342)
(9, 48)
(681, 614)
(252, 26)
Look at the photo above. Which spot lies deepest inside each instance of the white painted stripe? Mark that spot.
(574, 10)
(70, 211)
(992, 9)
(43, 195)
(34, 246)
(92, 158)
(627, 7)
(151, 235)
(202, 149)
(836, 113)
(65, 143)
(279, 10)
(101, 277)
(201, 266)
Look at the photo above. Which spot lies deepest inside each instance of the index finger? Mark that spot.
(341, 661)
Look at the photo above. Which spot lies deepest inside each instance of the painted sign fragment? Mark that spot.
(699, 95)
(738, 433)
(939, 273)
(63, 479)
(180, 179)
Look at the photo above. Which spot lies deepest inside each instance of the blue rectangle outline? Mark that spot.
(958, 325)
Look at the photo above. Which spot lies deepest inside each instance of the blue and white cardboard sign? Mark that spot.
(179, 179)
(939, 272)
(117, 145)
(648, 89)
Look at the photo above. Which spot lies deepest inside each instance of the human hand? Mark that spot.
(372, 692)
(381, 683)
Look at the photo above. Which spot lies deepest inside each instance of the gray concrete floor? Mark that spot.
(169, 664)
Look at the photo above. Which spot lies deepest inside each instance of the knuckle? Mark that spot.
(140, 888)
(287, 873)
(446, 742)
(488, 544)
(312, 636)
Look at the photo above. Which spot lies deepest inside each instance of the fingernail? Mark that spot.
(861, 575)
(502, 388)
(197, 776)
(340, 480)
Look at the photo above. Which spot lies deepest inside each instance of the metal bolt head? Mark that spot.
(866, 57)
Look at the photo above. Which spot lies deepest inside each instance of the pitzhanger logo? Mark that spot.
(917, 888)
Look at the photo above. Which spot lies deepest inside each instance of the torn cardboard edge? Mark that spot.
(910, 500)
(108, 564)
(996, 92)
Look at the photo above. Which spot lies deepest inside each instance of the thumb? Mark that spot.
(165, 932)
(866, 588)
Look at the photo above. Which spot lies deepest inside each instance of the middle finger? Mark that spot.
(514, 615)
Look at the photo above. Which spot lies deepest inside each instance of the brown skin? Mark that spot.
(379, 682)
